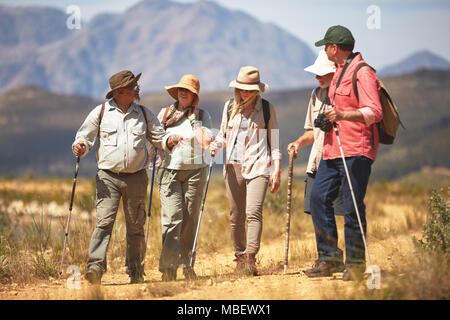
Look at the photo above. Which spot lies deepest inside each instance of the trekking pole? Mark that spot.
(191, 264)
(149, 206)
(66, 231)
(292, 156)
(351, 191)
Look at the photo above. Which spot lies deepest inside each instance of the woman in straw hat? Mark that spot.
(181, 176)
(249, 132)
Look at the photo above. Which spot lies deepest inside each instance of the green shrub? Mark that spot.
(45, 267)
(38, 234)
(436, 232)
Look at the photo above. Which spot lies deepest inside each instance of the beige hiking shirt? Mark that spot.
(256, 158)
(123, 139)
(317, 148)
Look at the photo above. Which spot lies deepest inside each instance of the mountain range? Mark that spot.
(420, 60)
(37, 127)
(160, 38)
(163, 40)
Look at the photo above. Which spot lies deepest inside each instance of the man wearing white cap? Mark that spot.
(324, 70)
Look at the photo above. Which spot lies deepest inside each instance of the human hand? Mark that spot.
(79, 149)
(274, 181)
(174, 140)
(333, 115)
(293, 147)
(215, 145)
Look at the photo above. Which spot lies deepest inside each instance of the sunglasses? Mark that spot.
(248, 91)
(132, 87)
(184, 89)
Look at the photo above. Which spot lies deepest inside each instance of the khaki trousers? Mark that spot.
(246, 198)
(181, 193)
(110, 188)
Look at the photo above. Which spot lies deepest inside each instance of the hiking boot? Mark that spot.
(189, 273)
(137, 277)
(354, 273)
(250, 265)
(136, 272)
(169, 274)
(240, 263)
(323, 268)
(93, 276)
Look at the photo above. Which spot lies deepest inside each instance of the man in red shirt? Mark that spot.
(355, 119)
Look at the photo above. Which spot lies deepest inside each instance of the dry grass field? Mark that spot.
(33, 213)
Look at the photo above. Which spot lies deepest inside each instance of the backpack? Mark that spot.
(266, 113)
(388, 126)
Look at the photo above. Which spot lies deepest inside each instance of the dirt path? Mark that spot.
(217, 280)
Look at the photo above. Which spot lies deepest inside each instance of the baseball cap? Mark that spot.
(337, 35)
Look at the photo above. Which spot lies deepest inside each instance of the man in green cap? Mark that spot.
(122, 128)
(356, 119)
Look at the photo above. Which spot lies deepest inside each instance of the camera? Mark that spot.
(322, 122)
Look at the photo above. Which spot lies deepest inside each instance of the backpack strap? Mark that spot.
(199, 114)
(314, 96)
(354, 80)
(164, 117)
(101, 114)
(102, 111)
(229, 108)
(355, 90)
(266, 113)
(145, 117)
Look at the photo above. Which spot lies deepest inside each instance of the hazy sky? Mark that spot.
(397, 28)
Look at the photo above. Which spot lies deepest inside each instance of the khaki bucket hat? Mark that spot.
(248, 79)
(189, 82)
(322, 65)
(121, 79)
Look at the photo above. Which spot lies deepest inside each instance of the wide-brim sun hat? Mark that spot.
(121, 79)
(189, 82)
(322, 65)
(249, 79)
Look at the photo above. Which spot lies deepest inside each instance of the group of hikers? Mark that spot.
(249, 133)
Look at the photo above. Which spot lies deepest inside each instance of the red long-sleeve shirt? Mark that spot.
(356, 137)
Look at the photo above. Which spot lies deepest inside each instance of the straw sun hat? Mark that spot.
(188, 82)
(248, 79)
(322, 65)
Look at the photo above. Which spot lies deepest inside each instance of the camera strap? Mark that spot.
(347, 62)
(325, 101)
